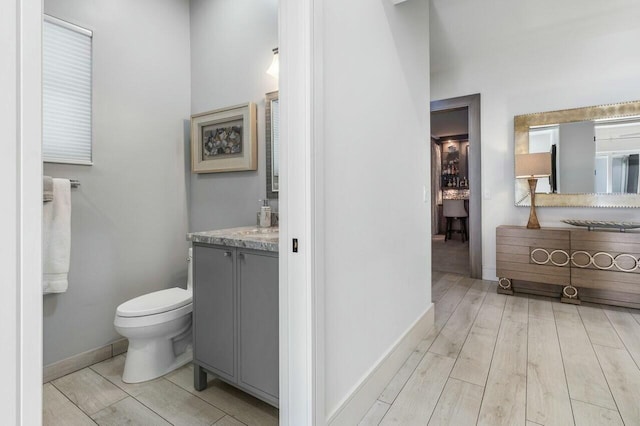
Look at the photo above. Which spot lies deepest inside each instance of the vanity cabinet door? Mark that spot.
(258, 323)
(214, 310)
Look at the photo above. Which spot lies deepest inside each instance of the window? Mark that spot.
(66, 93)
(546, 139)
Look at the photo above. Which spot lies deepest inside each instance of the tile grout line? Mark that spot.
(163, 378)
(493, 366)
(599, 363)
(197, 396)
(439, 397)
(589, 334)
(596, 405)
(151, 409)
(412, 372)
(429, 347)
(605, 375)
(385, 412)
(455, 307)
(486, 380)
(465, 381)
(448, 288)
(633, 315)
(620, 337)
(76, 405)
(472, 324)
(564, 371)
(465, 341)
(202, 399)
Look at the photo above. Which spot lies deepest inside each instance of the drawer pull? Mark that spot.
(227, 253)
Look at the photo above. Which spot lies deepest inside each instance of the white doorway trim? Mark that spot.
(301, 200)
(301, 295)
(20, 222)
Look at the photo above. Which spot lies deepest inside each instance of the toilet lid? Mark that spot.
(155, 303)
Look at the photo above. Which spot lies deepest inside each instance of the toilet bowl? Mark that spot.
(158, 326)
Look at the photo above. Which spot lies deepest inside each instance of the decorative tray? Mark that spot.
(592, 224)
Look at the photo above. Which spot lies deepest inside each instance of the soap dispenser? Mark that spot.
(265, 214)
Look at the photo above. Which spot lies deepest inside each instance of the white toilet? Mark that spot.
(158, 326)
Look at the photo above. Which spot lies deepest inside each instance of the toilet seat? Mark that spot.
(152, 320)
(155, 303)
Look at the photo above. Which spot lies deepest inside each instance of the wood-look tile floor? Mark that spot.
(493, 359)
(450, 256)
(97, 395)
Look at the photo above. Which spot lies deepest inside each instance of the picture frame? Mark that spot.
(224, 140)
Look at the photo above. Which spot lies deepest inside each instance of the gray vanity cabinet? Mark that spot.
(214, 310)
(258, 323)
(235, 319)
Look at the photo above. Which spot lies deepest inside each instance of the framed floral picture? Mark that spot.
(224, 140)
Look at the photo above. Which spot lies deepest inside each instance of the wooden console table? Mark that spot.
(576, 264)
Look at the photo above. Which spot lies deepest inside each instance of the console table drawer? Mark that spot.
(605, 264)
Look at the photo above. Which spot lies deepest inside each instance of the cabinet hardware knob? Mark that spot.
(241, 255)
(227, 253)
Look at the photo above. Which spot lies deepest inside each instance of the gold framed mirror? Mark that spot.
(595, 152)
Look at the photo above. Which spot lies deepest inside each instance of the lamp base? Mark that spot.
(533, 218)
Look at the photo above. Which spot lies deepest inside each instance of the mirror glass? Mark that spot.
(595, 153)
(272, 120)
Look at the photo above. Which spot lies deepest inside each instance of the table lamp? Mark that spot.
(533, 167)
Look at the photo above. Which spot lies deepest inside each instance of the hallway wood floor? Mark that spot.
(451, 256)
(493, 359)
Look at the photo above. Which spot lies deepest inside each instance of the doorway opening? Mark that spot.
(450, 191)
(455, 189)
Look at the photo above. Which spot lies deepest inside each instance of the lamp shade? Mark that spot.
(536, 165)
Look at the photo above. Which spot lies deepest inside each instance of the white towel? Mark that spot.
(56, 230)
(47, 188)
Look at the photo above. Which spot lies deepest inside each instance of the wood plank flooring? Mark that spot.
(451, 256)
(516, 360)
(490, 359)
(97, 395)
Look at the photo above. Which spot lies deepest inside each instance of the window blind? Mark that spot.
(66, 93)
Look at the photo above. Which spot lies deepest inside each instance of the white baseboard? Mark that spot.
(489, 273)
(85, 359)
(356, 405)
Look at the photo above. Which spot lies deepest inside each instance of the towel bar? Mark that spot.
(74, 183)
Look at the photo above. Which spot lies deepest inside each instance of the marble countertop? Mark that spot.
(251, 237)
(455, 193)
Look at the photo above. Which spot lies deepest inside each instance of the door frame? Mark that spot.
(302, 385)
(21, 222)
(301, 274)
(472, 103)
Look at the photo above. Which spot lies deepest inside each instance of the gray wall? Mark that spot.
(577, 158)
(129, 217)
(231, 44)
